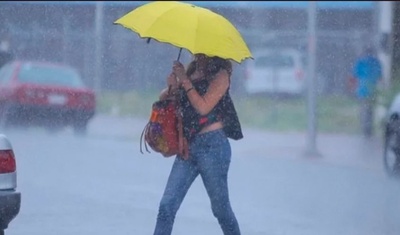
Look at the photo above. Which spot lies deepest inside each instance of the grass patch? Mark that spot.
(387, 95)
(335, 114)
(267, 113)
(133, 103)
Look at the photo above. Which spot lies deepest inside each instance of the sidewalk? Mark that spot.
(336, 149)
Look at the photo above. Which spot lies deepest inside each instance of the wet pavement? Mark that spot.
(274, 188)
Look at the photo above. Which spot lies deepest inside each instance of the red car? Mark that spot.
(44, 94)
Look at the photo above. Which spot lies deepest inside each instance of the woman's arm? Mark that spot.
(171, 89)
(216, 90)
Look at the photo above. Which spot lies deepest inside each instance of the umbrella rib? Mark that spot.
(197, 29)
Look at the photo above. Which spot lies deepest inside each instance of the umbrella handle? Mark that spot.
(180, 49)
(179, 55)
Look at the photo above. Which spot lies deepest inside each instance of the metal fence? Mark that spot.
(129, 63)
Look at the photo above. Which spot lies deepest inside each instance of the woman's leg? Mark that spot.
(182, 175)
(213, 166)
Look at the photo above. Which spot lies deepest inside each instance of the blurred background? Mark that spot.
(113, 60)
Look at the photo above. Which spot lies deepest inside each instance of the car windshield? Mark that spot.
(46, 75)
(274, 60)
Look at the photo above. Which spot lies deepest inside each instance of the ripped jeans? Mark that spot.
(210, 156)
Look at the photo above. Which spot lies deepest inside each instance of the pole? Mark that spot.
(384, 22)
(99, 46)
(311, 91)
(65, 39)
(275, 81)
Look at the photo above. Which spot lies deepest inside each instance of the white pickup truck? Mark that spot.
(10, 198)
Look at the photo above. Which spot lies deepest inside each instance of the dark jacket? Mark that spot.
(224, 111)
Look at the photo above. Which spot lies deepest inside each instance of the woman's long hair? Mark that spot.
(214, 65)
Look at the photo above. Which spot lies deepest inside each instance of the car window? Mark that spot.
(277, 61)
(6, 73)
(46, 75)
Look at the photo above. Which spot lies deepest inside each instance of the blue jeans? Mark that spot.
(210, 156)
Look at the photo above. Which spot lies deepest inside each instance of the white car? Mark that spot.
(10, 199)
(275, 71)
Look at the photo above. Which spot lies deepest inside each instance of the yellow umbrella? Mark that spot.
(184, 25)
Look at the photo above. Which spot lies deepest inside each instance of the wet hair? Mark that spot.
(214, 65)
(191, 68)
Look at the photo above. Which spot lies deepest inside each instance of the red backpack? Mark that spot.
(164, 131)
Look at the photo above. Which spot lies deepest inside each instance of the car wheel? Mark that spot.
(80, 127)
(391, 157)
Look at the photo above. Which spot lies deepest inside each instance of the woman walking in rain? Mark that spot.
(209, 119)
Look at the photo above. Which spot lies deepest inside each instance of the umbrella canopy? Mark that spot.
(184, 25)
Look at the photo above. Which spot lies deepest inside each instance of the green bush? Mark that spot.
(386, 96)
(133, 103)
(334, 114)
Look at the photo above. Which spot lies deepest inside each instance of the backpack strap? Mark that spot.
(182, 141)
(141, 138)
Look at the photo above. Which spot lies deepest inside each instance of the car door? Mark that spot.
(261, 74)
(288, 72)
(275, 72)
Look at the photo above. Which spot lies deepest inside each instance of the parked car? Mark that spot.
(391, 156)
(45, 94)
(278, 71)
(10, 199)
